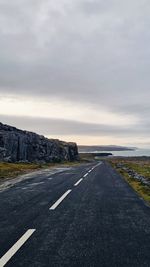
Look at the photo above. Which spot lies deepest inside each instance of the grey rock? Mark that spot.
(133, 174)
(23, 146)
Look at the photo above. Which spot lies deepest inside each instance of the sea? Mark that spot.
(129, 153)
(139, 152)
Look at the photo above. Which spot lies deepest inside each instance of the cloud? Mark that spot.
(53, 126)
(91, 52)
(55, 49)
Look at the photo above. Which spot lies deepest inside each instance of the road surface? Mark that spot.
(81, 216)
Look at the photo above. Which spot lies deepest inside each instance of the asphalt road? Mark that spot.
(82, 216)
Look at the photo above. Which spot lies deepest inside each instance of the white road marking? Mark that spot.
(85, 175)
(78, 182)
(100, 163)
(55, 205)
(10, 253)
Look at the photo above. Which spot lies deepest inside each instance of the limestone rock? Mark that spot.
(23, 146)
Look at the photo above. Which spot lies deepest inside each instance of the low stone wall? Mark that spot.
(133, 174)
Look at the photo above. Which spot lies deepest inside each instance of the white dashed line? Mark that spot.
(78, 182)
(55, 205)
(85, 175)
(11, 252)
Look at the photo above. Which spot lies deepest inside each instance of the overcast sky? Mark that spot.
(77, 70)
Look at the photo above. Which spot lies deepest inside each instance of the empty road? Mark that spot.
(81, 216)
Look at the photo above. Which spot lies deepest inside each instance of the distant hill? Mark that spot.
(100, 148)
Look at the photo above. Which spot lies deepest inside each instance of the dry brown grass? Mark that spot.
(11, 170)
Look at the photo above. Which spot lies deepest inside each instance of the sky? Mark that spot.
(77, 70)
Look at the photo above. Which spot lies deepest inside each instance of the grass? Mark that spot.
(11, 170)
(14, 169)
(142, 167)
(88, 157)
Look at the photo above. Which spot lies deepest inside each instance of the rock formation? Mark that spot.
(23, 146)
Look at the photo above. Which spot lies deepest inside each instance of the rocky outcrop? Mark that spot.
(23, 146)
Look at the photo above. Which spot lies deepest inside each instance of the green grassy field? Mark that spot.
(142, 167)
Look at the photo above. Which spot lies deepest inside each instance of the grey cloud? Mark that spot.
(96, 7)
(55, 49)
(46, 126)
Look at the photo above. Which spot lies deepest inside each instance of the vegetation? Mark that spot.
(14, 169)
(142, 167)
(88, 157)
(11, 170)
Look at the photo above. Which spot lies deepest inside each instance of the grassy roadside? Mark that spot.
(11, 170)
(142, 167)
